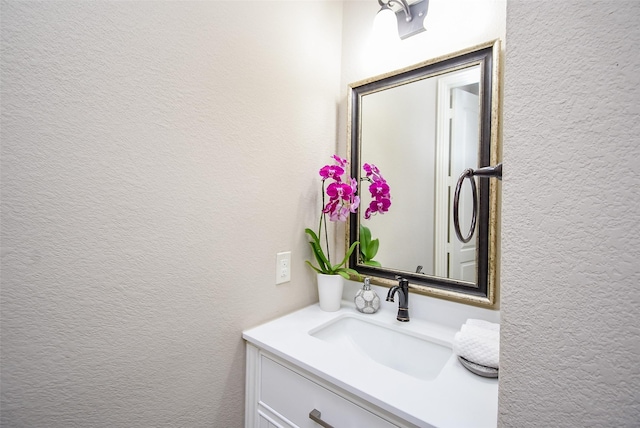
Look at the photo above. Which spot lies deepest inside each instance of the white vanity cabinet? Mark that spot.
(282, 395)
(308, 360)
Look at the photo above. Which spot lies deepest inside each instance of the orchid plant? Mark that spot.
(342, 191)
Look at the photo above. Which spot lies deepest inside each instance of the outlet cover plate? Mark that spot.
(283, 267)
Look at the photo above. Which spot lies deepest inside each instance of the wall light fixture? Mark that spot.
(410, 17)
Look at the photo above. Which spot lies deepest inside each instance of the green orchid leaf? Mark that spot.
(313, 267)
(346, 256)
(319, 255)
(312, 234)
(372, 263)
(364, 253)
(348, 273)
(373, 248)
(365, 236)
(368, 248)
(343, 274)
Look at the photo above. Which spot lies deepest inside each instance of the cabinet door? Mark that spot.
(292, 397)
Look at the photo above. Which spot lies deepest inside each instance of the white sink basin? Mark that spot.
(415, 355)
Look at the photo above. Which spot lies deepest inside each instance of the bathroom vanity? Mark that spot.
(347, 369)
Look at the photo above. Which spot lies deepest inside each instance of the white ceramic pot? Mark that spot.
(330, 292)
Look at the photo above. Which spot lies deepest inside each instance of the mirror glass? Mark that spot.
(422, 127)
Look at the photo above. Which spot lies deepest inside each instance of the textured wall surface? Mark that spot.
(155, 157)
(571, 209)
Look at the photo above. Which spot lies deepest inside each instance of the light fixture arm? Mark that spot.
(403, 4)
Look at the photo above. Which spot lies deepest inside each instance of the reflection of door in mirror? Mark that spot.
(464, 154)
(457, 149)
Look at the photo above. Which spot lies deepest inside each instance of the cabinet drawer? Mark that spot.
(292, 396)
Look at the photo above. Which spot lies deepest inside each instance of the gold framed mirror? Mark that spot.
(422, 126)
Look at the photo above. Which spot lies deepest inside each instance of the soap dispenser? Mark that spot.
(367, 300)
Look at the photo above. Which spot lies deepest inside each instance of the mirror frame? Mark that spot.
(483, 292)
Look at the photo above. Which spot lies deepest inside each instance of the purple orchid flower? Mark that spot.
(339, 191)
(331, 172)
(377, 206)
(379, 189)
(343, 197)
(340, 161)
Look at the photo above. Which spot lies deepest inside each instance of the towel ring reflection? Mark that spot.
(488, 171)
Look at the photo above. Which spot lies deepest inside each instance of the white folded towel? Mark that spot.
(479, 342)
(484, 324)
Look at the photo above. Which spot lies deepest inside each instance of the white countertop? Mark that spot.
(456, 398)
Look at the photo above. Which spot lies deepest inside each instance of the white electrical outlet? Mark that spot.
(283, 267)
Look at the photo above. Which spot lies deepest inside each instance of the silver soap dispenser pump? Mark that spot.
(367, 300)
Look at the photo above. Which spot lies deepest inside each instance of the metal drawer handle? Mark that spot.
(315, 416)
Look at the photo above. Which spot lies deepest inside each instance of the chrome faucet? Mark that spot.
(403, 305)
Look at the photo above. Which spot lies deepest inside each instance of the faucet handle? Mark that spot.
(403, 291)
(402, 281)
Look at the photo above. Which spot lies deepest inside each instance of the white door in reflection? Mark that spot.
(457, 141)
(465, 131)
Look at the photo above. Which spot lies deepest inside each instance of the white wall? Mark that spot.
(155, 157)
(571, 208)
